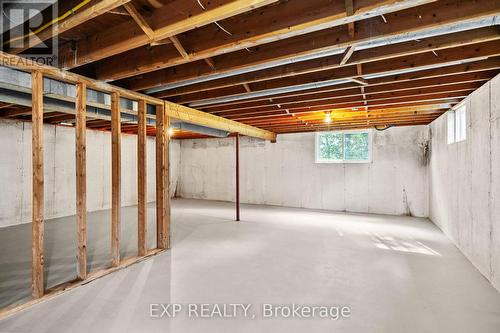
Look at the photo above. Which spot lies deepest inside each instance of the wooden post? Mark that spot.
(160, 178)
(142, 178)
(237, 144)
(167, 182)
(115, 178)
(37, 195)
(81, 180)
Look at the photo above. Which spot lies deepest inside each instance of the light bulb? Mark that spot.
(328, 118)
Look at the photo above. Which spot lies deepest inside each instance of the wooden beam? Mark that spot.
(215, 89)
(37, 223)
(353, 95)
(368, 58)
(166, 22)
(139, 19)
(177, 44)
(349, 9)
(205, 119)
(449, 97)
(247, 87)
(250, 30)
(448, 14)
(69, 77)
(142, 178)
(347, 54)
(166, 226)
(161, 168)
(359, 80)
(210, 63)
(75, 19)
(115, 178)
(482, 70)
(71, 285)
(81, 179)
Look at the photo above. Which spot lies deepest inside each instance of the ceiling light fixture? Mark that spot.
(328, 117)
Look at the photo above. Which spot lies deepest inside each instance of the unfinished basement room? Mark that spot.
(250, 166)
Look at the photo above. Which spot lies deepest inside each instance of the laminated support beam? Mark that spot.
(81, 180)
(190, 115)
(37, 224)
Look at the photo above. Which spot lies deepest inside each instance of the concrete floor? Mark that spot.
(398, 274)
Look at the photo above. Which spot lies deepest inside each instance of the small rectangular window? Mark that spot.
(460, 123)
(451, 127)
(457, 124)
(343, 147)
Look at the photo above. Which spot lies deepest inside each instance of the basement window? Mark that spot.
(457, 124)
(343, 147)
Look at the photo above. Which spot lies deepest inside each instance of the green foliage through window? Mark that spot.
(343, 147)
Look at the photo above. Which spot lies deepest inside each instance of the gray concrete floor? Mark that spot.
(60, 250)
(398, 274)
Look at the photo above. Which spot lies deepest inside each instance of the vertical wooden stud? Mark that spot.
(237, 144)
(167, 181)
(115, 178)
(81, 179)
(37, 194)
(160, 177)
(142, 178)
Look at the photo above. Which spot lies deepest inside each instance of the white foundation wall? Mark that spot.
(59, 171)
(285, 173)
(464, 177)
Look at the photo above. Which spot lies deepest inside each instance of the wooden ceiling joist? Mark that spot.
(355, 96)
(450, 83)
(165, 21)
(77, 18)
(470, 72)
(213, 89)
(251, 30)
(140, 20)
(283, 64)
(403, 23)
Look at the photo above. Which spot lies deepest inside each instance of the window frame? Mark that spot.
(458, 122)
(343, 161)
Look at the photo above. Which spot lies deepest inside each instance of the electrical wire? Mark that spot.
(216, 23)
(48, 24)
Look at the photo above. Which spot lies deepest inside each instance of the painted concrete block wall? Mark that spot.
(285, 173)
(59, 172)
(464, 178)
